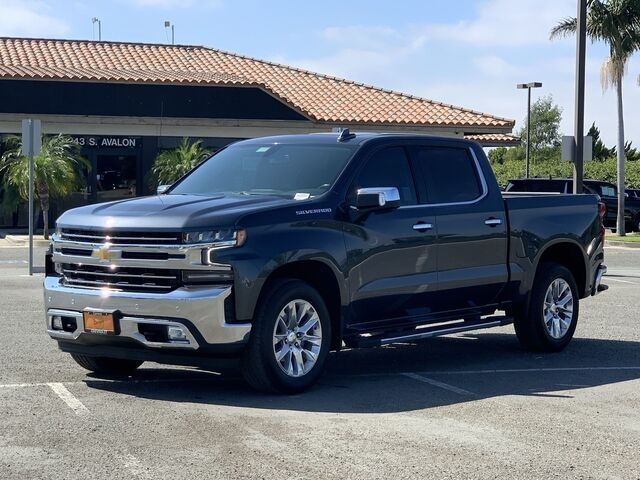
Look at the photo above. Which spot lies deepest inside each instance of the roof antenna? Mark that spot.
(345, 135)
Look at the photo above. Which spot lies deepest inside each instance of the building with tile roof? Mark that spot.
(131, 100)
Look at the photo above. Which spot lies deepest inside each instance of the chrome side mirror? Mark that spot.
(377, 198)
(162, 189)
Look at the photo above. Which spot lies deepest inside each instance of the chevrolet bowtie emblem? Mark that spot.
(105, 254)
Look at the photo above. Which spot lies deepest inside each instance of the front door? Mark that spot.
(392, 262)
(472, 228)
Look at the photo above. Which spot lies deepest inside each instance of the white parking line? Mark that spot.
(621, 281)
(22, 385)
(435, 383)
(527, 370)
(67, 397)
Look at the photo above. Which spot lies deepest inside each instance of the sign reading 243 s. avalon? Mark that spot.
(107, 142)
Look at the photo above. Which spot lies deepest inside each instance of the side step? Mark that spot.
(434, 331)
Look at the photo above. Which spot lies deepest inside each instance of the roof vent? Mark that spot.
(345, 135)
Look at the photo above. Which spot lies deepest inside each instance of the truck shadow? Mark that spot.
(440, 371)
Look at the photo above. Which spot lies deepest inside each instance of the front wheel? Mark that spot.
(106, 365)
(290, 339)
(553, 310)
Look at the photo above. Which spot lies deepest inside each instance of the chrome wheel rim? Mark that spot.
(297, 338)
(558, 308)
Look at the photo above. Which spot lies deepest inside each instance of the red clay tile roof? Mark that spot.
(494, 139)
(319, 97)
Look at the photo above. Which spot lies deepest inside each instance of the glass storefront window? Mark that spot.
(115, 177)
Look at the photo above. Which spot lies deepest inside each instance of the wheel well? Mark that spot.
(322, 278)
(570, 256)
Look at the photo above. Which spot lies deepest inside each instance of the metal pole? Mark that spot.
(581, 46)
(173, 36)
(31, 198)
(528, 130)
(99, 31)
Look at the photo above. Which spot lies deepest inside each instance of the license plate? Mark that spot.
(99, 322)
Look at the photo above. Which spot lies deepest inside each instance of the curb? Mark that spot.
(614, 243)
(23, 241)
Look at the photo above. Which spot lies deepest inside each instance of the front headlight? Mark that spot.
(225, 237)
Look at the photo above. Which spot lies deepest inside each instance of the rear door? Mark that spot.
(472, 230)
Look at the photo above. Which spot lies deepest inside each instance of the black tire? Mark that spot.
(530, 326)
(259, 366)
(106, 365)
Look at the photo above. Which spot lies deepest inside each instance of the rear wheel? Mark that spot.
(290, 339)
(106, 365)
(552, 316)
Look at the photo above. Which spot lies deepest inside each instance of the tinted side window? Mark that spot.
(389, 168)
(450, 174)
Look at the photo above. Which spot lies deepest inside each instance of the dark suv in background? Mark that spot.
(608, 192)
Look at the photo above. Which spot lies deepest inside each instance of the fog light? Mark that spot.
(56, 323)
(177, 334)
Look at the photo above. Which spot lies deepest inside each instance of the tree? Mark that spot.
(171, 165)
(545, 126)
(616, 23)
(600, 151)
(57, 170)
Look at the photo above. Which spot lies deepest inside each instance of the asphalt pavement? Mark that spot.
(466, 406)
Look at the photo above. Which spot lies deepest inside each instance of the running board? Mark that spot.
(435, 331)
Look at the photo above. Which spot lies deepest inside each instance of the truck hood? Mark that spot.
(168, 212)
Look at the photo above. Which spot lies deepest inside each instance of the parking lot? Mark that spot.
(467, 406)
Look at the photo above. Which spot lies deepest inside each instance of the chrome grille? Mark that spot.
(130, 279)
(121, 237)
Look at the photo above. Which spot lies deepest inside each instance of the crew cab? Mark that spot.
(276, 250)
(607, 192)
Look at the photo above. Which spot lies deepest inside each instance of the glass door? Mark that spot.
(115, 177)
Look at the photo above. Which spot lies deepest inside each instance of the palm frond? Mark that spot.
(171, 165)
(56, 167)
(564, 28)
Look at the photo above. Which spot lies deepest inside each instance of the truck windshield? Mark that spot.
(297, 171)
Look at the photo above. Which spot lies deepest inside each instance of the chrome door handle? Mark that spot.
(492, 222)
(421, 227)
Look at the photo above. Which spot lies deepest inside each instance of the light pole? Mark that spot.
(581, 41)
(95, 20)
(529, 86)
(168, 24)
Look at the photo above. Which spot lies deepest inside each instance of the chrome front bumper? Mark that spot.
(201, 307)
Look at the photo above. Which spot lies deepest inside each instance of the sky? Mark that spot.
(470, 53)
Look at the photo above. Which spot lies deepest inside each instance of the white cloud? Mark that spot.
(29, 18)
(493, 65)
(426, 60)
(368, 51)
(507, 23)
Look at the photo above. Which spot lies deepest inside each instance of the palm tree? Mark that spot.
(616, 23)
(57, 170)
(171, 165)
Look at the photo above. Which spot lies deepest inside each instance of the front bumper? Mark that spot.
(200, 311)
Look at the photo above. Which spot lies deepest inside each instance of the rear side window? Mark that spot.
(450, 174)
(547, 186)
(608, 191)
(388, 168)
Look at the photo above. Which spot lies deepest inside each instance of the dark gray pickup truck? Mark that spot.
(277, 250)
